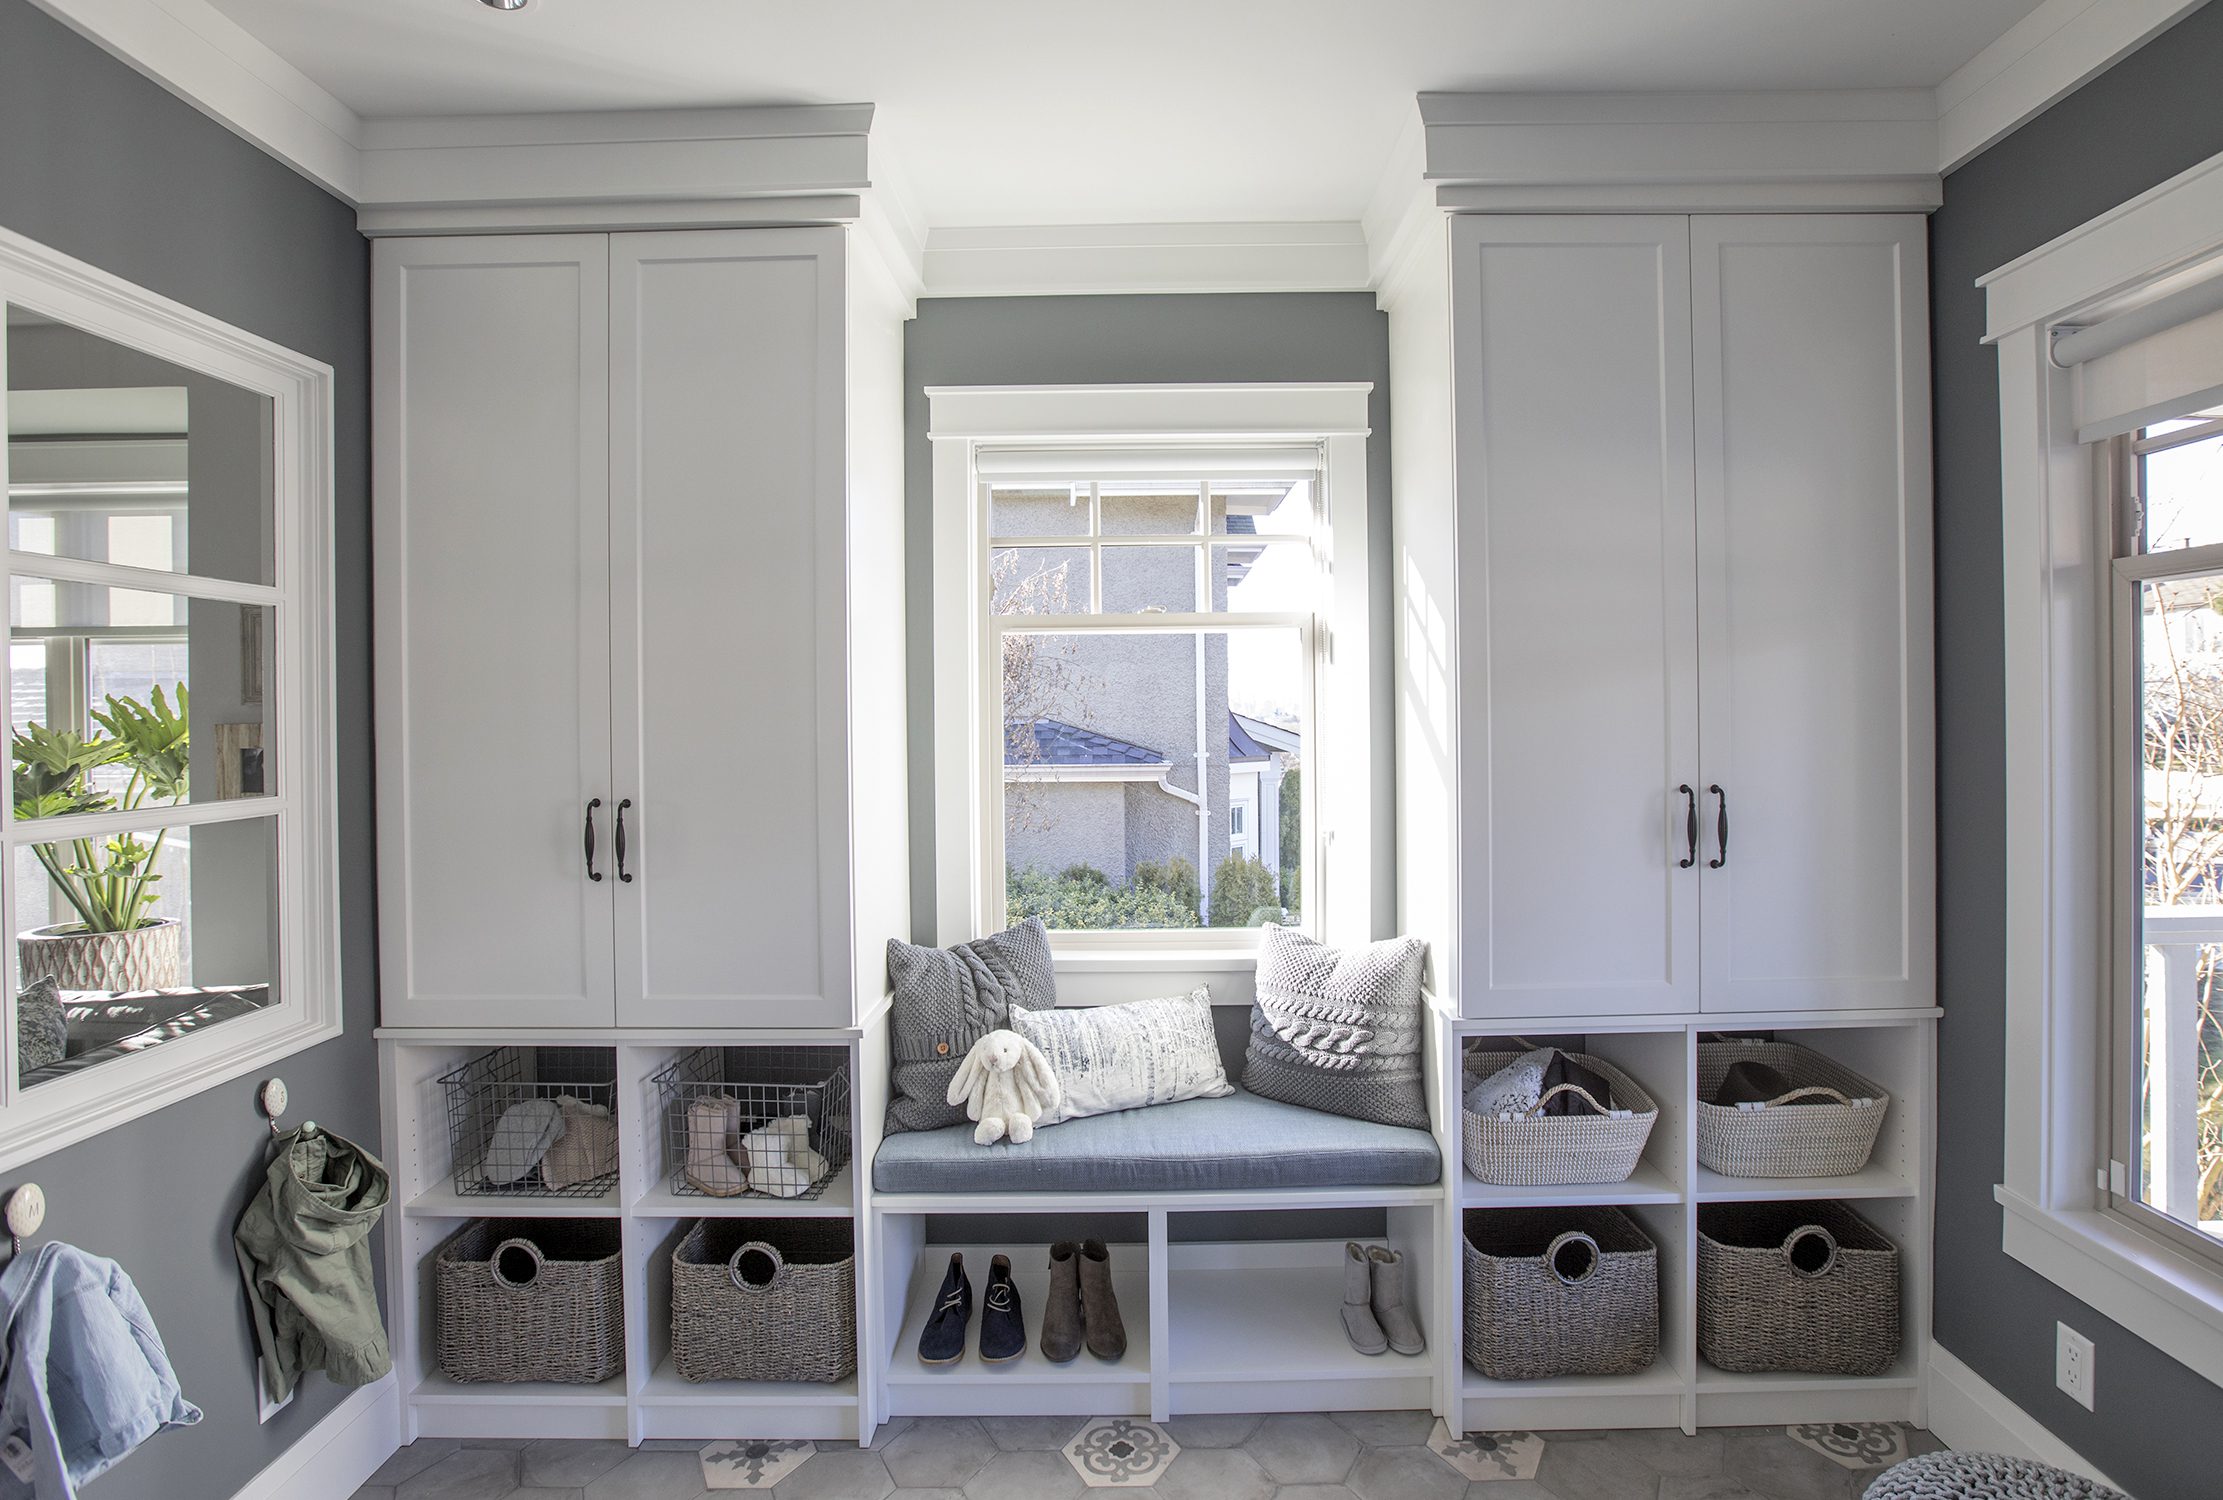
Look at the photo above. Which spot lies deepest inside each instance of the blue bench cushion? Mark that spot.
(1241, 1141)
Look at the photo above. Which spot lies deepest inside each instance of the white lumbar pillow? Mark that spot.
(1113, 1057)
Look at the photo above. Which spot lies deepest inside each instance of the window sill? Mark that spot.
(2164, 1296)
(1151, 960)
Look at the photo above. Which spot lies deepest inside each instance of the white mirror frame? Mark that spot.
(42, 1119)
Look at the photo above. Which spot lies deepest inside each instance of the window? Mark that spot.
(1141, 634)
(2167, 1073)
(170, 905)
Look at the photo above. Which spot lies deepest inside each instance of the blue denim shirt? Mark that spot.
(87, 1379)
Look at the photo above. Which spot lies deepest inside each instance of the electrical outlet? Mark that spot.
(2072, 1364)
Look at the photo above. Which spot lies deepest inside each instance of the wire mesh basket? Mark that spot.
(762, 1122)
(537, 1122)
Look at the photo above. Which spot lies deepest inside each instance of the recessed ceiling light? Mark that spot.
(503, 4)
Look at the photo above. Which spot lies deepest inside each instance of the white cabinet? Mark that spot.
(613, 592)
(1692, 589)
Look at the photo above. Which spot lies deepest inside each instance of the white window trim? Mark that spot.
(36, 1121)
(1331, 414)
(2057, 575)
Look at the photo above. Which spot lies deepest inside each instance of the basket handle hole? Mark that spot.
(516, 1264)
(1573, 1258)
(754, 1266)
(1812, 1251)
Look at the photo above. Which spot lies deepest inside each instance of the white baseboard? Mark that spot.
(1969, 1415)
(333, 1458)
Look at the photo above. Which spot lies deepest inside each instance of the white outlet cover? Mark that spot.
(2072, 1364)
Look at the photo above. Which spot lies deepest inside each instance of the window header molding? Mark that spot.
(2060, 899)
(1048, 415)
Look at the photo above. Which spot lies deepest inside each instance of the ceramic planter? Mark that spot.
(145, 958)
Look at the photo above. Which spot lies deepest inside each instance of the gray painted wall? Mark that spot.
(97, 161)
(2150, 117)
(1107, 340)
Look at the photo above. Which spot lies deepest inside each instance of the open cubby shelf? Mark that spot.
(1213, 1323)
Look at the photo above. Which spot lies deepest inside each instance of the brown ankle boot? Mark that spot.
(1061, 1313)
(1107, 1336)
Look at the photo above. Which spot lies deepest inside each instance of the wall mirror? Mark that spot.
(170, 880)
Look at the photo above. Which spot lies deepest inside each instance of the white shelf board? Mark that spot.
(1872, 1181)
(439, 1390)
(444, 1202)
(1030, 1274)
(1662, 1378)
(667, 1388)
(1279, 1324)
(838, 1201)
(1647, 1184)
(1713, 1382)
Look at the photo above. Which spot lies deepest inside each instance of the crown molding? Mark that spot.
(2040, 60)
(1065, 259)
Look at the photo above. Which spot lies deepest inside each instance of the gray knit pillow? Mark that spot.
(1339, 1030)
(945, 1000)
(41, 1028)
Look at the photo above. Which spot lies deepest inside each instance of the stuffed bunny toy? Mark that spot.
(1006, 1084)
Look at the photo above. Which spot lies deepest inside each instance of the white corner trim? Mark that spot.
(1067, 259)
(336, 1455)
(217, 66)
(2041, 59)
(1969, 1415)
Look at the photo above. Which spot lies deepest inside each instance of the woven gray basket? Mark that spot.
(765, 1299)
(531, 1299)
(1559, 1291)
(1830, 1136)
(1807, 1288)
(1553, 1149)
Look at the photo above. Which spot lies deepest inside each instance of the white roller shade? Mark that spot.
(1283, 463)
(2150, 363)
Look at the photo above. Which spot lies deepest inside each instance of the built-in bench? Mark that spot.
(1241, 1142)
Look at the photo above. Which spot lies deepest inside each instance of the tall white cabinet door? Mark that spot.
(491, 502)
(727, 477)
(1812, 346)
(1577, 618)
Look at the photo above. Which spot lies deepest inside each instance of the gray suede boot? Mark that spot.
(1392, 1309)
(1359, 1325)
(1061, 1317)
(1107, 1336)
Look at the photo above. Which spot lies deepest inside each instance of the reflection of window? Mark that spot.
(173, 891)
(2169, 609)
(1146, 657)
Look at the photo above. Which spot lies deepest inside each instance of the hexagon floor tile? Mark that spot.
(1484, 1456)
(1120, 1453)
(752, 1463)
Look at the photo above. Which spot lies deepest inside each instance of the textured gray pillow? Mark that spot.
(945, 1000)
(1339, 1029)
(41, 1030)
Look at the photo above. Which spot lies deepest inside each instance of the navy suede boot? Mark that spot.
(942, 1340)
(1003, 1325)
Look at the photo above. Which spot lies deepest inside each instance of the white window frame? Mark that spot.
(967, 779)
(304, 774)
(2062, 887)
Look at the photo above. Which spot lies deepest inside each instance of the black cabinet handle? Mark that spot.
(623, 873)
(1690, 827)
(592, 872)
(1721, 828)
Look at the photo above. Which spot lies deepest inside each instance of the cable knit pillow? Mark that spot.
(1113, 1057)
(945, 1000)
(1339, 1029)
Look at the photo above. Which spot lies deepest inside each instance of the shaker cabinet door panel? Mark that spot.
(1577, 614)
(1813, 470)
(727, 475)
(492, 538)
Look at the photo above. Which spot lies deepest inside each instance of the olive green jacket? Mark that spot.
(304, 1250)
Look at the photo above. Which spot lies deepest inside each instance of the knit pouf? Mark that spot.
(1982, 1476)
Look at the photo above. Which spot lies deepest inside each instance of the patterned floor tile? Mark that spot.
(752, 1463)
(1303, 1448)
(1120, 1453)
(1856, 1445)
(1486, 1457)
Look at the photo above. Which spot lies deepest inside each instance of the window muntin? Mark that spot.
(1128, 640)
(2167, 1075)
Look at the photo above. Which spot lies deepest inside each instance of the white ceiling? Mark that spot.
(1009, 112)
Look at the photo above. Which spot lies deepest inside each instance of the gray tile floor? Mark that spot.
(1301, 1456)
